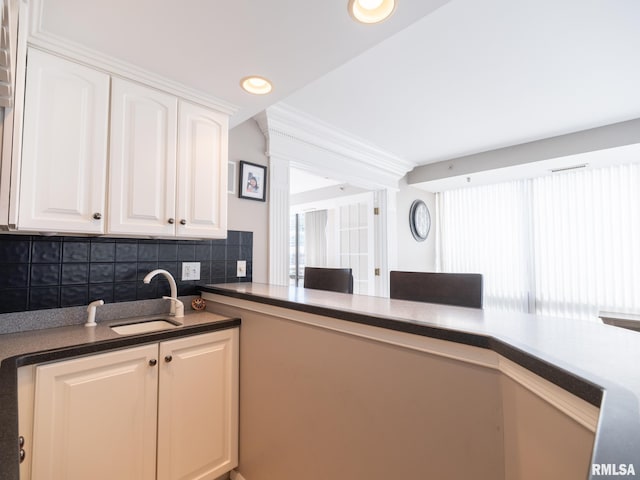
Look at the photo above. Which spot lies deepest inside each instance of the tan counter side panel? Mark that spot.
(317, 403)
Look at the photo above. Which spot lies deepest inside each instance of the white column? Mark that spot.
(278, 221)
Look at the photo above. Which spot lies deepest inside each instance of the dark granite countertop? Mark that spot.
(36, 346)
(599, 363)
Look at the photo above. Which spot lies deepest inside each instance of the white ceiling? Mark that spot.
(478, 75)
(301, 181)
(209, 45)
(439, 79)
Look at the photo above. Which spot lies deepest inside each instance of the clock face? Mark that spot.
(419, 220)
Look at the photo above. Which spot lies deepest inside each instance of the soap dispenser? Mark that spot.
(91, 311)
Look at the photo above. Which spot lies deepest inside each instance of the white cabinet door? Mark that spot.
(95, 417)
(198, 406)
(64, 154)
(142, 180)
(202, 172)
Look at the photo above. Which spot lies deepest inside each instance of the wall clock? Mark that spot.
(419, 220)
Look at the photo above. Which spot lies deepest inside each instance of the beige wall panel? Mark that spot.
(540, 441)
(317, 404)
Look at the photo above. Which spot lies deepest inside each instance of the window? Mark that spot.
(563, 245)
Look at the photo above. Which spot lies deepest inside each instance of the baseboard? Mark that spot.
(236, 476)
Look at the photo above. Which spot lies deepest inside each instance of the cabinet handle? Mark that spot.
(97, 216)
(23, 454)
(168, 358)
(183, 222)
(171, 221)
(153, 362)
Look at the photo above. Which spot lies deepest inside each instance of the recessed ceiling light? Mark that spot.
(371, 11)
(256, 85)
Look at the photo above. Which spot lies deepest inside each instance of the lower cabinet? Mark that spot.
(161, 411)
(198, 406)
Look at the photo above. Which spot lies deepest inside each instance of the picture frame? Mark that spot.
(252, 183)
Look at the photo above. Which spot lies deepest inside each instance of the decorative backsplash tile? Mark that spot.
(38, 272)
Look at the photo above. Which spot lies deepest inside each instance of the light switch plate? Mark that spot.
(190, 271)
(241, 268)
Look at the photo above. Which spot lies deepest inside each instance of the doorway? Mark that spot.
(332, 226)
(336, 233)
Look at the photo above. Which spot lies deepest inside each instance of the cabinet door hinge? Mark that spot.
(376, 272)
(376, 211)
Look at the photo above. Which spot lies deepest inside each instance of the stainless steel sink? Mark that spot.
(145, 326)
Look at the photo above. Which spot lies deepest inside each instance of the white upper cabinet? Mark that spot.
(130, 161)
(168, 169)
(64, 156)
(201, 209)
(142, 180)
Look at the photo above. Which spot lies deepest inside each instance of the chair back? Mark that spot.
(331, 279)
(460, 289)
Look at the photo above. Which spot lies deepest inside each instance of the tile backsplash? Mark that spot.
(38, 272)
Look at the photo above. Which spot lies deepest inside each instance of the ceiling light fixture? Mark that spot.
(371, 11)
(256, 85)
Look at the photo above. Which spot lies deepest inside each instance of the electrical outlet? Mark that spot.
(241, 268)
(190, 271)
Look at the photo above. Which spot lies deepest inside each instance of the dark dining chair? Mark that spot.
(331, 279)
(460, 289)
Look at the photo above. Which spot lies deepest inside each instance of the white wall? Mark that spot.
(412, 255)
(246, 142)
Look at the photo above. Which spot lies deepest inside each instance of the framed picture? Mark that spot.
(253, 181)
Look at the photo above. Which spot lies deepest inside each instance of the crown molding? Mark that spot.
(318, 147)
(43, 40)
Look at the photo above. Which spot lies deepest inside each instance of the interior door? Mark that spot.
(356, 242)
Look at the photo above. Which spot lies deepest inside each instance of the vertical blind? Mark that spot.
(315, 238)
(565, 245)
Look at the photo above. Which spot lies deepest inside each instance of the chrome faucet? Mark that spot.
(177, 307)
